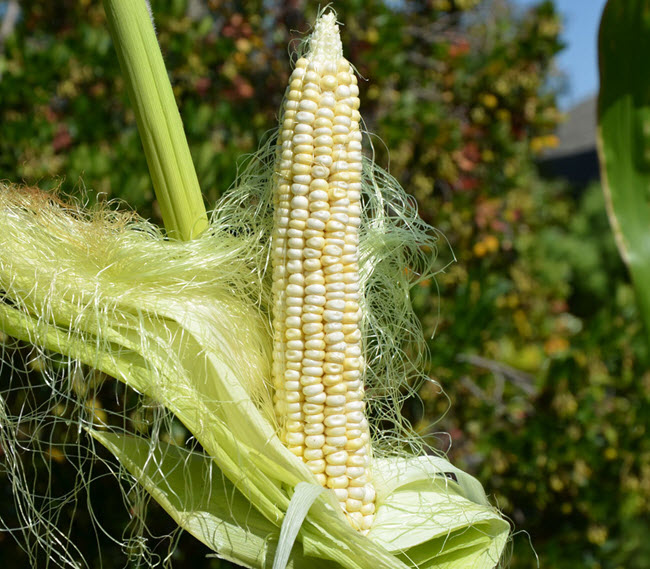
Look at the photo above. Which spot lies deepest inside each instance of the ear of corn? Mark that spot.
(110, 292)
(317, 355)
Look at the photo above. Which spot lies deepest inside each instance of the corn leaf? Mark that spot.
(624, 135)
(202, 501)
(433, 514)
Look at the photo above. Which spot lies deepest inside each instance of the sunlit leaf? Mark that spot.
(624, 135)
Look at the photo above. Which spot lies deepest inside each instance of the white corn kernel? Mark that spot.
(317, 353)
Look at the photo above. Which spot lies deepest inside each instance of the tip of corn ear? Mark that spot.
(325, 42)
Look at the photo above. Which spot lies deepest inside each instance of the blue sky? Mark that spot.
(579, 59)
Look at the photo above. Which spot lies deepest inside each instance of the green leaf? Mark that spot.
(203, 501)
(624, 135)
(432, 514)
(446, 530)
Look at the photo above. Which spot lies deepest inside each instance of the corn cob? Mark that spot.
(317, 356)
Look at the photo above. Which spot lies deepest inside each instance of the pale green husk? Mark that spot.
(186, 325)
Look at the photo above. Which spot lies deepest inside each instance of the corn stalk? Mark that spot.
(159, 122)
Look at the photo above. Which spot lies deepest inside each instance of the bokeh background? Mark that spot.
(537, 344)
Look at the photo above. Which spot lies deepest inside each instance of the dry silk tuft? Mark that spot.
(317, 355)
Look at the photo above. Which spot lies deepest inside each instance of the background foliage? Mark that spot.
(537, 342)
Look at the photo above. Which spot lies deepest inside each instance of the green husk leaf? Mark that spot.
(202, 501)
(303, 498)
(431, 513)
(624, 135)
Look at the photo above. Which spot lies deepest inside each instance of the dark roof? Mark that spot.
(577, 133)
(575, 159)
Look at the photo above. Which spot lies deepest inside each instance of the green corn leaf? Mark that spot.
(203, 501)
(433, 514)
(624, 135)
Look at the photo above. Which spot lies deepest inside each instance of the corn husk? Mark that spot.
(106, 289)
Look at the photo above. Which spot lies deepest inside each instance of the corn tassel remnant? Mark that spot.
(317, 356)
